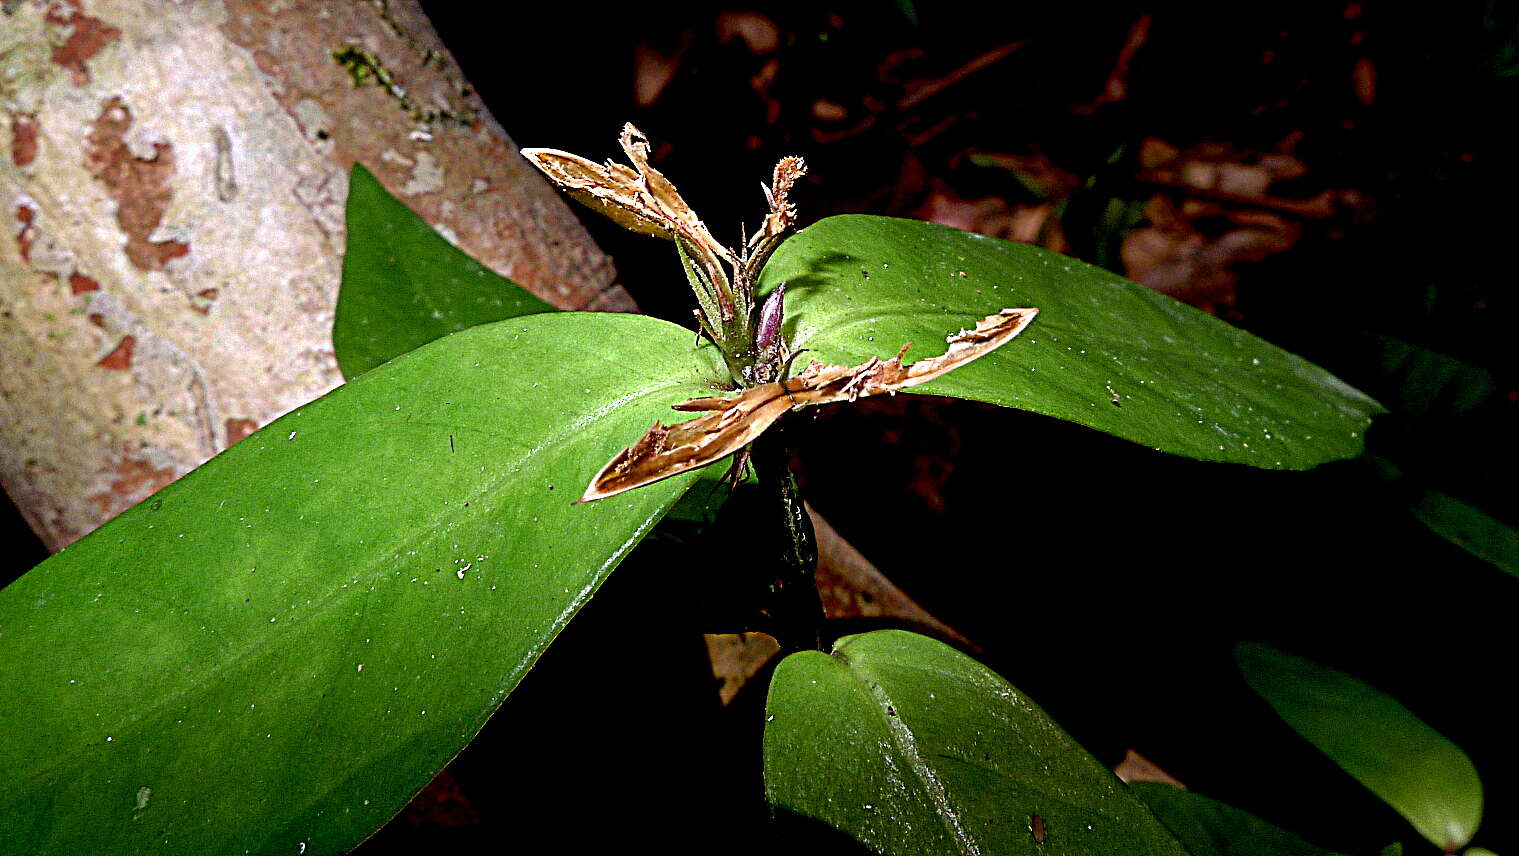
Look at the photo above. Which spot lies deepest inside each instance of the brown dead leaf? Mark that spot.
(1172, 256)
(994, 217)
(653, 69)
(1137, 768)
(759, 33)
(733, 423)
(1216, 171)
(736, 657)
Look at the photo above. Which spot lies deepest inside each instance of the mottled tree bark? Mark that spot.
(172, 179)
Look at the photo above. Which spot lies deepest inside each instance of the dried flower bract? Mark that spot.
(732, 423)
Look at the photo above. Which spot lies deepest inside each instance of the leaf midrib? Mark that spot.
(906, 745)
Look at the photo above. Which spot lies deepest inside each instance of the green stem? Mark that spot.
(795, 609)
(727, 318)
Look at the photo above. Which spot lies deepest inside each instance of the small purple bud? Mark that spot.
(769, 336)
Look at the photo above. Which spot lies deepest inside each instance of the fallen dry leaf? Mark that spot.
(733, 423)
(736, 657)
(1137, 768)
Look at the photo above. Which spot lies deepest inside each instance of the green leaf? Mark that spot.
(1208, 827)
(1423, 776)
(278, 650)
(905, 745)
(1469, 528)
(404, 285)
(1104, 352)
(1424, 382)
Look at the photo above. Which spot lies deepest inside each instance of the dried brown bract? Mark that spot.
(640, 198)
(732, 423)
(643, 200)
(780, 220)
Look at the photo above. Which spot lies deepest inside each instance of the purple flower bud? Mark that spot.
(769, 336)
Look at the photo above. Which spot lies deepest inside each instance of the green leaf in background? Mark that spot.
(1469, 528)
(404, 285)
(274, 653)
(1104, 352)
(1422, 381)
(1375, 739)
(907, 746)
(1207, 827)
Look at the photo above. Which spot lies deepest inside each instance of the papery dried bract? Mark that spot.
(640, 199)
(662, 192)
(613, 190)
(782, 214)
(733, 423)
(643, 200)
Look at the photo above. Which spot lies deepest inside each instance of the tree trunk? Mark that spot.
(174, 175)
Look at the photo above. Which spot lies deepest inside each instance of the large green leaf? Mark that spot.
(1423, 776)
(1208, 827)
(1469, 528)
(404, 285)
(1104, 352)
(909, 747)
(275, 652)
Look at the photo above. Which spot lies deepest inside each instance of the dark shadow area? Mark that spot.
(23, 548)
(805, 836)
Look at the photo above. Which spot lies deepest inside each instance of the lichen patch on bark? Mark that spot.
(25, 234)
(86, 36)
(23, 138)
(140, 186)
(120, 358)
(131, 479)
(202, 300)
(237, 429)
(79, 284)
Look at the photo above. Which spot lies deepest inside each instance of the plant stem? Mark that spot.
(795, 608)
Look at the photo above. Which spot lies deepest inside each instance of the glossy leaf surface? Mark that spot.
(1207, 827)
(1414, 769)
(275, 652)
(404, 285)
(907, 746)
(1104, 352)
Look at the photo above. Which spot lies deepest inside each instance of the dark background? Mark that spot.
(1106, 581)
